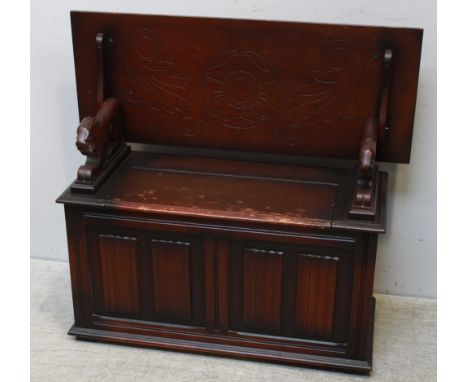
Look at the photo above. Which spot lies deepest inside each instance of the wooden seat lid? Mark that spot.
(264, 86)
(229, 190)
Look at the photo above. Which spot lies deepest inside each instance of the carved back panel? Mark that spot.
(282, 87)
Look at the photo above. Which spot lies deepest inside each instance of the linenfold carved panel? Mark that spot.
(263, 278)
(316, 294)
(118, 285)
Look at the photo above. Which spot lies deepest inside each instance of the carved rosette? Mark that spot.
(241, 89)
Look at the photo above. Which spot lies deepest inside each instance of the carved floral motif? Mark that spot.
(242, 89)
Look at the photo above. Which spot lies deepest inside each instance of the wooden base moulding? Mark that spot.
(210, 344)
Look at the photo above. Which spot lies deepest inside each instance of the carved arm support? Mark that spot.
(366, 165)
(363, 205)
(99, 138)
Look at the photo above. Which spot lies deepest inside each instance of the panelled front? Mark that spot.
(315, 294)
(161, 282)
(117, 288)
(153, 276)
(177, 278)
(293, 290)
(290, 290)
(171, 278)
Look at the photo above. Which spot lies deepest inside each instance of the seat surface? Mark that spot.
(233, 190)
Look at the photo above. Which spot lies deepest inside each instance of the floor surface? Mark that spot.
(404, 346)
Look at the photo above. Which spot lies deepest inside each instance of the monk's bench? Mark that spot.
(230, 202)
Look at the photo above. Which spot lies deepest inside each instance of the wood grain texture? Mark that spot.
(397, 318)
(267, 334)
(214, 195)
(237, 242)
(209, 256)
(223, 284)
(281, 194)
(315, 295)
(119, 271)
(171, 278)
(262, 289)
(72, 216)
(282, 87)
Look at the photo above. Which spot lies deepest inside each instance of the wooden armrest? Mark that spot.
(368, 149)
(363, 204)
(100, 139)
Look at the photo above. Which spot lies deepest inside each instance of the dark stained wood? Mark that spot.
(385, 96)
(171, 272)
(367, 153)
(210, 286)
(309, 196)
(100, 137)
(119, 272)
(262, 289)
(282, 87)
(267, 353)
(364, 202)
(366, 312)
(217, 194)
(316, 290)
(102, 80)
(325, 243)
(223, 284)
(93, 136)
(72, 217)
(231, 236)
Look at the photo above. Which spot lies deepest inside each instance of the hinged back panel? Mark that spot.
(265, 86)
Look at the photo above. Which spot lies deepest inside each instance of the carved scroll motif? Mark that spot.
(322, 98)
(242, 89)
(99, 138)
(157, 83)
(363, 205)
(366, 165)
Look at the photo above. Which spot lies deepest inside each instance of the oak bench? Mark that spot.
(230, 201)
